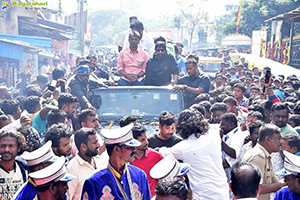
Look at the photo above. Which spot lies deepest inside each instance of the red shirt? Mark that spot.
(150, 158)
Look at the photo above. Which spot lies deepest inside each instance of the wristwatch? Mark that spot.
(138, 76)
(185, 86)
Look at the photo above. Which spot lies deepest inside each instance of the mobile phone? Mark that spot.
(52, 85)
(267, 76)
(62, 86)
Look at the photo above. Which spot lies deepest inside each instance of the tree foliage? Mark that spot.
(253, 15)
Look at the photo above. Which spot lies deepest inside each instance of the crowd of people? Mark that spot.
(237, 138)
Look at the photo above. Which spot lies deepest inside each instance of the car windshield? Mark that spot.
(211, 67)
(145, 104)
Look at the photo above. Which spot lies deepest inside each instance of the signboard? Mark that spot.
(257, 38)
(59, 45)
(88, 34)
(236, 39)
(278, 30)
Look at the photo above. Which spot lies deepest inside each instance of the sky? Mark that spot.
(149, 9)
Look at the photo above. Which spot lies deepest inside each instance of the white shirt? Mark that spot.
(10, 182)
(146, 43)
(244, 149)
(207, 177)
(235, 139)
(124, 35)
(82, 170)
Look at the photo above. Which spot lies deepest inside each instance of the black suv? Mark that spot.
(144, 102)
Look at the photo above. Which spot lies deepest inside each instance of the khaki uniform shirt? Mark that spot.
(259, 156)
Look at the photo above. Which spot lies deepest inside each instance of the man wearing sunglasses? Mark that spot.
(119, 180)
(161, 68)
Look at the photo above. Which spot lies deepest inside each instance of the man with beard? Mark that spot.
(161, 67)
(119, 180)
(12, 172)
(232, 141)
(88, 119)
(280, 115)
(60, 136)
(269, 141)
(79, 86)
(86, 162)
(145, 158)
(193, 84)
(132, 62)
(166, 136)
(67, 103)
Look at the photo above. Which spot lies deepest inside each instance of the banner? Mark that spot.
(59, 45)
(238, 16)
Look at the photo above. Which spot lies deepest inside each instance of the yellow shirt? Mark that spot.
(259, 156)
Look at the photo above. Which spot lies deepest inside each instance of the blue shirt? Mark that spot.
(181, 64)
(201, 80)
(279, 93)
(286, 194)
(39, 125)
(102, 74)
(102, 185)
(27, 191)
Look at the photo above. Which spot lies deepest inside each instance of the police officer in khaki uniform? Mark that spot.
(260, 155)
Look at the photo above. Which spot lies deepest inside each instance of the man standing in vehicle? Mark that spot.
(192, 84)
(132, 62)
(161, 67)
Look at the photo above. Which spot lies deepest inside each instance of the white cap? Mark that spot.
(121, 136)
(53, 173)
(291, 165)
(169, 167)
(40, 155)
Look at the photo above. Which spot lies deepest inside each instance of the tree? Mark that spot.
(221, 26)
(253, 15)
(194, 16)
(177, 23)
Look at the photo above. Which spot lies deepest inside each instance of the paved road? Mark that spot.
(276, 67)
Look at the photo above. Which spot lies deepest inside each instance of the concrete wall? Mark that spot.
(9, 17)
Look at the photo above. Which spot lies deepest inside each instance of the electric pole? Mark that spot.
(82, 25)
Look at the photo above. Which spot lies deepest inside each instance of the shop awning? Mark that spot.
(286, 16)
(33, 41)
(236, 40)
(38, 27)
(15, 49)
